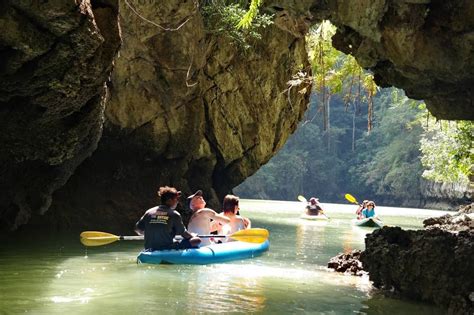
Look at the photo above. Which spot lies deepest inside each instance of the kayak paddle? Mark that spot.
(302, 199)
(351, 198)
(96, 238)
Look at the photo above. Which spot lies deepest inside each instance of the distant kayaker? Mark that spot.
(362, 206)
(237, 222)
(162, 223)
(369, 211)
(204, 221)
(313, 207)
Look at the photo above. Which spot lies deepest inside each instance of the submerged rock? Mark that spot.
(430, 265)
(348, 263)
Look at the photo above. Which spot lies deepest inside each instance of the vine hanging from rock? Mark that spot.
(335, 73)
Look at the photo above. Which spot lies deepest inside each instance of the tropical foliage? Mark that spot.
(249, 16)
(354, 139)
(384, 166)
(335, 73)
(448, 155)
(230, 19)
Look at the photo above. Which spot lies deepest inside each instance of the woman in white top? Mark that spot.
(237, 222)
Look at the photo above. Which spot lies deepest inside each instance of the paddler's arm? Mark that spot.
(247, 223)
(186, 235)
(218, 217)
(140, 226)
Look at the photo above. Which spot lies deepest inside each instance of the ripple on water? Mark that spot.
(42, 276)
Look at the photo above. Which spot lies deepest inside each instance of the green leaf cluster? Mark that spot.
(250, 15)
(224, 18)
(335, 72)
(447, 151)
(387, 161)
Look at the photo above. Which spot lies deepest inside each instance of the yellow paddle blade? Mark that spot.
(98, 241)
(302, 199)
(95, 238)
(351, 198)
(251, 235)
(87, 234)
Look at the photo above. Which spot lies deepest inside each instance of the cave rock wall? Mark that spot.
(188, 108)
(55, 58)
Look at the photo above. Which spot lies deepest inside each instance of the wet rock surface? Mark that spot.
(431, 265)
(462, 220)
(54, 61)
(348, 263)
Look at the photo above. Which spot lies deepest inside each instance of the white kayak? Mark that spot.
(314, 217)
(371, 222)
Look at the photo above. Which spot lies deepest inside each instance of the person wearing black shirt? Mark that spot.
(162, 223)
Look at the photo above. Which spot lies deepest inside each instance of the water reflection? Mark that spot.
(353, 237)
(310, 239)
(226, 288)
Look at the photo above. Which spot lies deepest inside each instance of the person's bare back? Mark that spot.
(236, 224)
(204, 220)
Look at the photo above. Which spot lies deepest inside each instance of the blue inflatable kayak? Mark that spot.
(216, 253)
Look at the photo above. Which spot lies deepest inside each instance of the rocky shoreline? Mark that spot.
(433, 265)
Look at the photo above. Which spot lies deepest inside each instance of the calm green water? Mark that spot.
(54, 274)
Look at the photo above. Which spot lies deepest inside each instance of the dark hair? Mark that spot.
(230, 201)
(166, 193)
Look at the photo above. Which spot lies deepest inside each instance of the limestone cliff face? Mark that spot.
(189, 109)
(436, 194)
(54, 61)
(425, 47)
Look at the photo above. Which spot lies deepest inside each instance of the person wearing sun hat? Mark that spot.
(369, 211)
(313, 207)
(204, 220)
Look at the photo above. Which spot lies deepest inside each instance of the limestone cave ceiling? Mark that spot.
(187, 107)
